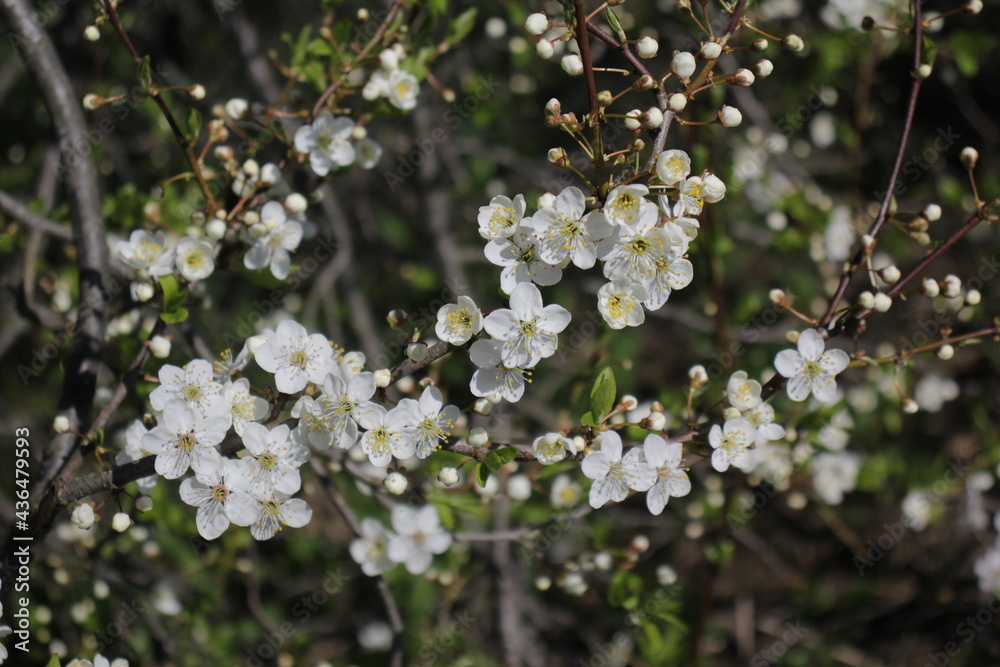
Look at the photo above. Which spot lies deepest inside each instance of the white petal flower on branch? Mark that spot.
(835, 474)
(552, 448)
(529, 329)
(419, 536)
(133, 451)
(433, 420)
(403, 90)
(732, 442)
(273, 248)
(565, 492)
(520, 256)
(743, 394)
(148, 251)
(565, 231)
(277, 512)
(186, 439)
(810, 369)
(388, 434)
(340, 404)
(371, 548)
(294, 357)
(273, 464)
(218, 504)
(327, 142)
(194, 259)
(762, 419)
(613, 474)
(243, 406)
(500, 218)
(673, 166)
(671, 479)
(620, 303)
(626, 205)
(458, 322)
(493, 376)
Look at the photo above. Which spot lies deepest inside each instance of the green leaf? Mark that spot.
(194, 125)
(461, 26)
(482, 474)
(928, 51)
(506, 454)
(624, 589)
(174, 316)
(53, 661)
(493, 462)
(320, 47)
(613, 21)
(145, 74)
(602, 396)
(588, 419)
(173, 295)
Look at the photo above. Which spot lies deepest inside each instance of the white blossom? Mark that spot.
(552, 448)
(419, 536)
(192, 383)
(834, 474)
(133, 451)
(613, 474)
(565, 492)
(295, 357)
(671, 480)
(565, 231)
(492, 375)
(218, 504)
(732, 442)
(273, 462)
(810, 369)
(243, 406)
(403, 90)
(620, 303)
(148, 251)
(627, 205)
(500, 218)
(458, 322)
(278, 511)
(743, 394)
(327, 142)
(271, 250)
(194, 259)
(389, 433)
(529, 329)
(186, 438)
(520, 257)
(672, 167)
(433, 420)
(371, 548)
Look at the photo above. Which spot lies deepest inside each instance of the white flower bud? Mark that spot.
(91, 33)
(141, 291)
(676, 102)
(83, 516)
(536, 23)
(483, 407)
(951, 286)
(647, 47)
(417, 352)
(730, 116)
(731, 413)
(653, 118)
(269, 175)
(969, 157)
(868, 242)
(544, 49)
(251, 168)
(543, 582)
(478, 437)
(743, 78)
(215, 229)
(910, 406)
(92, 101)
(60, 424)
(792, 337)
(890, 274)
(924, 71)
(640, 543)
(159, 347)
(518, 487)
(710, 50)
(760, 45)
(793, 43)
(778, 296)
(632, 119)
(883, 302)
(698, 375)
(973, 297)
(683, 64)
(388, 60)
(236, 108)
(547, 200)
(296, 203)
(448, 476)
(144, 503)
(866, 300)
(553, 107)
(257, 230)
(629, 402)
(666, 575)
(930, 287)
(763, 68)
(656, 421)
(973, 7)
(121, 522)
(932, 212)
(197, 92)
(572, 64)
(946, 352)
(383, 377)
(395, 483)
(253, 342)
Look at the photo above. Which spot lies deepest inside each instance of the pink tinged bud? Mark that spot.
(730, 116)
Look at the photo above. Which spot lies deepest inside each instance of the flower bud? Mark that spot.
(395, 483)
(92, 101)
(557, 156)
(647, 47)
(951, 286)
(656, 421)
(269, 175)
(731, 413)
(760, 45)
(478, 437)
(778, 296)
(793, 43)
(924, 71)
(698, 375)
(547, 200)
(215, 229)
(629, 402)
(932, 212)
(676, 102)
(121, 522)
(743, 78)
(644, 82)
(710, 50)
(254, 342)
(196, 92)
(763, 68)
(553, 107)
(910, 406)
(973, 7)
(417, 352)
(883, 302)
(544, 49)
(969, 157)
(60, 424)
(572, 64)
(236, 108)
(448, 476)
(868, 242)
(159, 347)
(682, 64)
(91, 33)
(296, 203)
(945, 352)
(653, 118)
(388, 60)
(83, 516)
(930, 287)
(973, 297)
(482, 407)
(730, 116)
(142, 291)
(144, 503)
(866, 300)
(536, 23)
(633, 119)
(890, 274)
(919, 224)
(383, 377)
(605, 98)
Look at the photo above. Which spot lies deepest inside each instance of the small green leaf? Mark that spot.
(53, 661)
(506, 454)
(602, 396)
(194, 125)
(928, 51)
(616, 25)
(482, 474)
(493, 462)
(588, 419)
(174, 316)
(145, 74)
(624, 589)
(461, 26)
(320, 47)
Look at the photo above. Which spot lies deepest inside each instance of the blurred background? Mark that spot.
(856, 547)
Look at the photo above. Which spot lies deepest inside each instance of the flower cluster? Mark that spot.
(655, 469)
